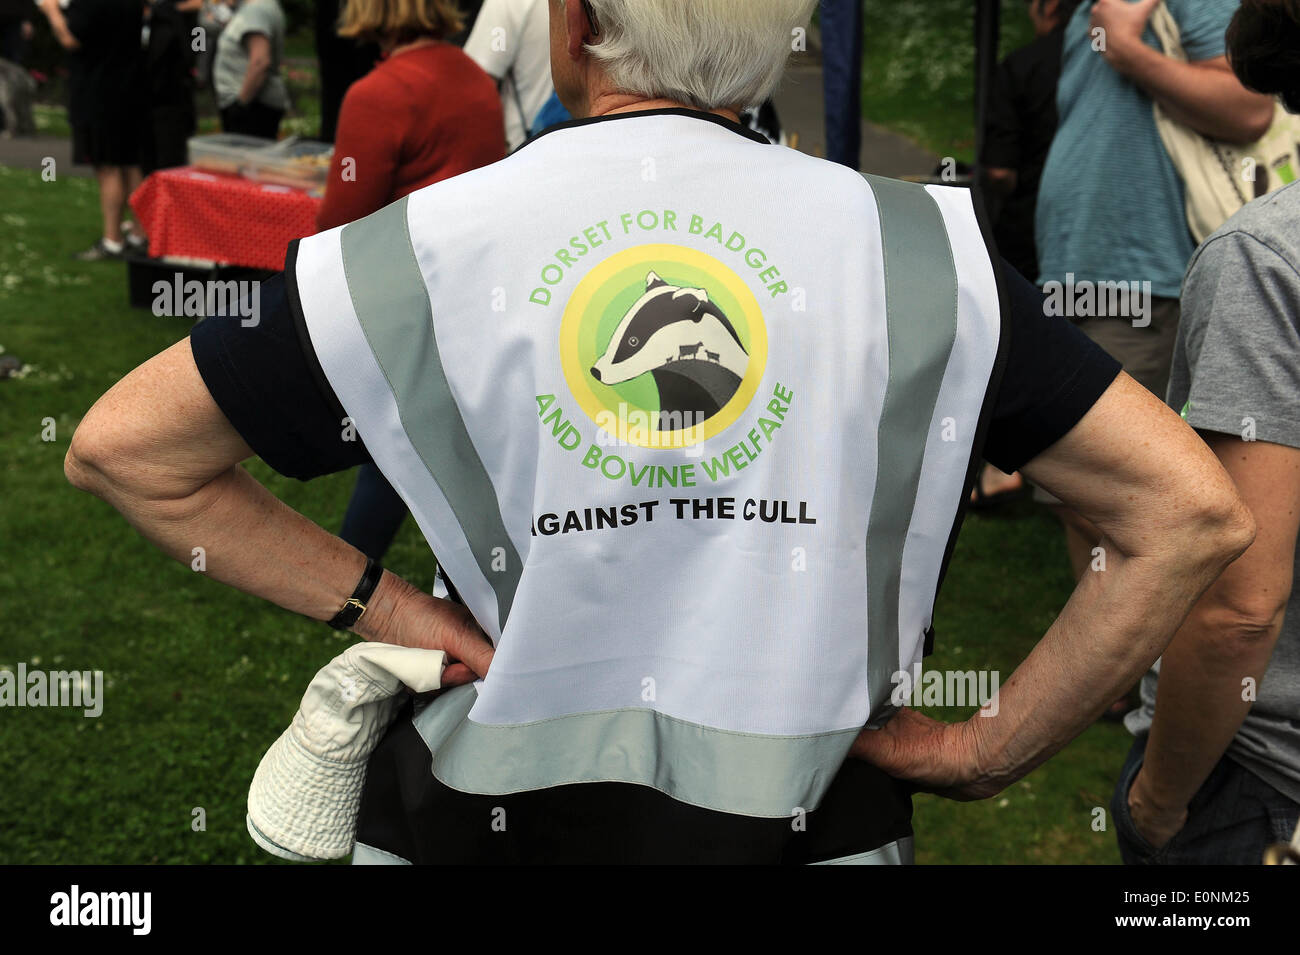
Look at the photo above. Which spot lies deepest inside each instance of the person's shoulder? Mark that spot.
(260, 11)
(393, 85)
(1194, 11)
(373, 88)
(423, 75)
(1272, 218)
(452, 61)
(1250, 263)
(1030, 56)
(1018, 62)
(1202, 21)
(1267, 224)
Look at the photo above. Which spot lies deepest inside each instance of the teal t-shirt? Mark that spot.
(1111, 205)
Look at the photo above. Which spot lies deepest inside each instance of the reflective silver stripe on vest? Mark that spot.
(392, 305)
(768, 776)
(921, 313)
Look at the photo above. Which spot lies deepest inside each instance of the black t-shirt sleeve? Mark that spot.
(1053, 374)
(266, 381)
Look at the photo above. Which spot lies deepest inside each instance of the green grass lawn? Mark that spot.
(919, 68)
(201, 679)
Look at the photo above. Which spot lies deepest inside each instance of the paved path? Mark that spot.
(800, 105)
(30, 152)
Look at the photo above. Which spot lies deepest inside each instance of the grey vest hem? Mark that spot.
(899, 852)
(745, 774)
(363, 854)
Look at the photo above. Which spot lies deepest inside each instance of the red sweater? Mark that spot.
(417, 118)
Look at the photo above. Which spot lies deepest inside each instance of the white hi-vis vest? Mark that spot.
(687, 421)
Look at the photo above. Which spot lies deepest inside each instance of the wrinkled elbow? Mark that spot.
(1254, 122)
(1226, 528)
(1263, 121)
(85, 463)
(1238, 625)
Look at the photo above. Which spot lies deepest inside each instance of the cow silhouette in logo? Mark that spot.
(684, 324)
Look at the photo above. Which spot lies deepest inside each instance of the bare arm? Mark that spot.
(1204, 95)
(1171, 521)
(158, 449)
(259, 64)
(1228, 637)
(59, 25)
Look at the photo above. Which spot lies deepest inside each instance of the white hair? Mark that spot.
(711, 54)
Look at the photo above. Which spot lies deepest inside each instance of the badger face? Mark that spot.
(662, 322)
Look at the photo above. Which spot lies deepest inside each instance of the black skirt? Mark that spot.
(99, 143)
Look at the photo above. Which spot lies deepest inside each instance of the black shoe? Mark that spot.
(135, 240)
(99, 252)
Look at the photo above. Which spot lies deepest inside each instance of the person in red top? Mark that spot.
(425, 113)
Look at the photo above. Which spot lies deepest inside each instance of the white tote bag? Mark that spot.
(1222, 177)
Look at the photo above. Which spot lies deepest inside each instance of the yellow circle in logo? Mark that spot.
(663, 346)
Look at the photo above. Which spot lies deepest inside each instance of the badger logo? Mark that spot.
(686, 342)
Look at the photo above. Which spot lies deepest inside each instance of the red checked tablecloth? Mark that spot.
(194, 214)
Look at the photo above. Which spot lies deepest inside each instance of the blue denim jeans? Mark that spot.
(1230, 820)
(841, 27)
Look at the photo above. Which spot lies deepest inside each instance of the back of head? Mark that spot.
(1264, 48)
(710, 54)
(396, 22)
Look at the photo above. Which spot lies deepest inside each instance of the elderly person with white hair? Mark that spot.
(688, 420)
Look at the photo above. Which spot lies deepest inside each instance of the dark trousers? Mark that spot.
(841, 26)
(251, 120)
(1230, 821)
(374, 515)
